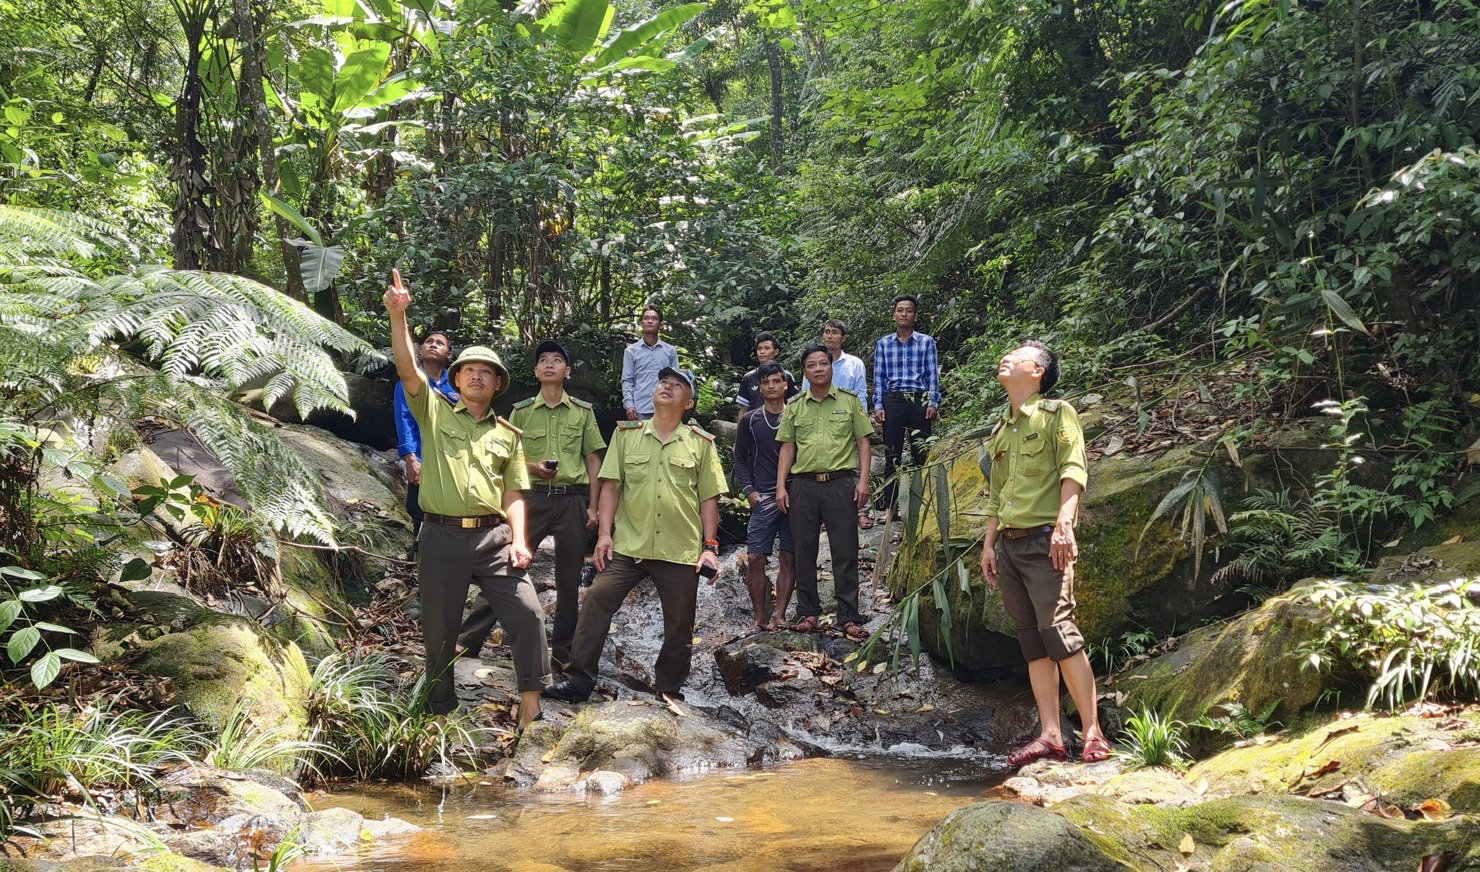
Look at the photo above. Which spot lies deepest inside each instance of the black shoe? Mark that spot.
(566, 691)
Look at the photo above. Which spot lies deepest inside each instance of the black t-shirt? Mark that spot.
(750, 389)
(757, 452)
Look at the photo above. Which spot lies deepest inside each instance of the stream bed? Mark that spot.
(846, 814)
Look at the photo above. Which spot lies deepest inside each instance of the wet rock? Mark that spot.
(338, 830)
(67, 839)
(746, 664)
(202, 795)
(1006, 836)
(606, 783)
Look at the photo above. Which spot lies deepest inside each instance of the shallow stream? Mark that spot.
(844, 814)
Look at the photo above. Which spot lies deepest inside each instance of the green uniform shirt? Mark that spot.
(566, 432)
(467, 463)
(826, 431)
(661, 486)
(1032, 452)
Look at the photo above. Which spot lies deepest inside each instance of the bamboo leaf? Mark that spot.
(938, 589)
(1343, 310)
(943, 504)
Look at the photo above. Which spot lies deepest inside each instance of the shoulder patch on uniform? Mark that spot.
(629, 425)
(801, 395)
(1048, 405)
(582, 403)
(1066, 435)
(702, 432)
(505, 422)
(524, 404)
(842, 390)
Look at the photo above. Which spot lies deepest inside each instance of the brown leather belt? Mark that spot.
(826, 476)
(474, 522)
(1015, 534)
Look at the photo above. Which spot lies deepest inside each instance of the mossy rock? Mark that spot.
(1266, 834)
(1432, 565)
(1404, 759)
(1249, 660)
(214, 660)
(1007, 836)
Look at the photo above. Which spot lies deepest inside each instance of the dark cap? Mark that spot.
(684, 374)
(551, 345)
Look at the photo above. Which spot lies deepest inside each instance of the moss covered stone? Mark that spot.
(1007, 836)
(215, 660)
(1249, 660)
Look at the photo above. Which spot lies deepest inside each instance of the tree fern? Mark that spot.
(149, 340)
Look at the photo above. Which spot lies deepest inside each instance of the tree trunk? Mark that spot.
(773, 62)
(194, 246)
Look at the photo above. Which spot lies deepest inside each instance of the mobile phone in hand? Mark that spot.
(707, 572)
(552, 464)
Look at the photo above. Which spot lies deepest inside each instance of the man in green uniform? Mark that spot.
(1038, 473)
(822, 481)
(660, 488)
(472, 479)
(561, 441)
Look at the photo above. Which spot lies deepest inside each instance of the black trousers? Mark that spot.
(904, 422)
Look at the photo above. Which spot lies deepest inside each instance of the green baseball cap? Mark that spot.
(481, 354)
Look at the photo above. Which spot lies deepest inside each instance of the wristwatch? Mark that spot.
(712, 546)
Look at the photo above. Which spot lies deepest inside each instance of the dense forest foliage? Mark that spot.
(1152, 187)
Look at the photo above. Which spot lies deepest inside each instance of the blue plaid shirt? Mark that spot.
(906, 367)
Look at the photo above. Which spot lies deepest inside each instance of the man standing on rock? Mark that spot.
(906, 392)
(561, 441)
(822, 480)
(436, 352)
(640, 365)
(756, 453)
(1038, 474)
(471, 494)
(660, 488)
(850, 374)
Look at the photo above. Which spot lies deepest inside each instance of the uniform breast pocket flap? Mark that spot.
(1037, 460)
(638, 467)
(452, 441)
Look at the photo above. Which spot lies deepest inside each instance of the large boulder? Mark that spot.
(215, 661)
(1246, 833)
(371, 399)
(1123, 580)
(1250, 660)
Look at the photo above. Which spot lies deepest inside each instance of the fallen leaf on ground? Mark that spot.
(924, 708)
(1187, 845)
(1436, 862)
(1326, 768)
(1434, 809)
(1454, 540)
(1336, 733)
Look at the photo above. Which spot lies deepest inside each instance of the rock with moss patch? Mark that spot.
(215, 661)
(1250, 660)
(1006, 836)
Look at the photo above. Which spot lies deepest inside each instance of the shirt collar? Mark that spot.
(460, 406)
(832, 391)
(1030, 407)
(911, 341)
(564, 400)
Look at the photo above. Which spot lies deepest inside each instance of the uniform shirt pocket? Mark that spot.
(1036, 460)
(638, 467)
(452, 441)
(683, 470)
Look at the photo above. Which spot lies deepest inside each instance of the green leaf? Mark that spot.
(9, 611)
(938, 590)
(46, 670)
(360, 74)
(580, 23)
(75, 655)
(319, 265)
(637, 37)
(40, 594)
(943, 504)
(278, 207)
(137, 569)
(656, 65)
(21, 643)
(22, 573)
(695, 48)
(316, 74)
(395, 88)
(53, 628)
(1344, 311)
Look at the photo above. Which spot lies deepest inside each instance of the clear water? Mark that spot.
(845, 814)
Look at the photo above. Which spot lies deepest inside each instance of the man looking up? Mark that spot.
(561, 441)
(660, 489)
(850, 374)
(824, 441)
(906, 392)
(472, 480)
(756, 453)
(1038, 473)
(436, 351)
(640, 365)
(766, 350)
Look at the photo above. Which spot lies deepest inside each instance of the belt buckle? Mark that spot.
(823, 476)
(557, 490)
(468, 523)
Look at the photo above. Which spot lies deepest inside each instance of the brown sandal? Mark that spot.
(1096, 750)
(855, 632)
(1038, 749)
(808, 624)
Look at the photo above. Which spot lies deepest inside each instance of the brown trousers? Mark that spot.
(564, 517)
(1038, 598)
(678, 591)
(830, 504)
(448, 560)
